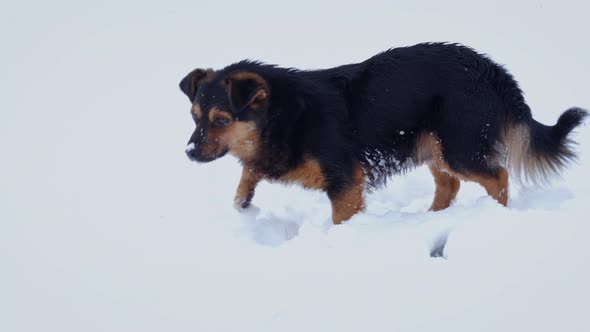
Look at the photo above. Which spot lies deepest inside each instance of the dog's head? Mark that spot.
(227, 109)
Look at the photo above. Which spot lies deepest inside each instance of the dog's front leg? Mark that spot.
(349, 200)
(246, 188)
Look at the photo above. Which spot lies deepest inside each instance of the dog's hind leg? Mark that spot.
(495, 183)
(429, 149)
(447, 187)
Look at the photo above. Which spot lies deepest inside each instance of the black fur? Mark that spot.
(188, 85)
(552, 140)
(372, 113)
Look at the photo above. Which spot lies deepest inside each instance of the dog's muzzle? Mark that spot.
(191, 152)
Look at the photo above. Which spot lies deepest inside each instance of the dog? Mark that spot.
(347, 129)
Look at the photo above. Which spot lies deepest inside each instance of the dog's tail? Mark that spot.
(537, 152)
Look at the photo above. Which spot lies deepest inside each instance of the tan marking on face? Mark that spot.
(196, 110)
(215, 113)
(429, 150)
(308, 174)
(214, 144)
(351, 200)
(240, 138)
(217, 140)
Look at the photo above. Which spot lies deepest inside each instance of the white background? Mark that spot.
(106, 226)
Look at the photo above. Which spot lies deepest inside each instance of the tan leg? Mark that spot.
(496, 186)
(246, 188)
(428, 148)
(350, 201)
(447, 187)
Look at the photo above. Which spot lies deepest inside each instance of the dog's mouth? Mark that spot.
(195, 154)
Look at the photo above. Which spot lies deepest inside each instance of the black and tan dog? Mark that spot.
(347, 129)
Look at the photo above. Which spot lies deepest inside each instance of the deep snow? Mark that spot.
(106, 226)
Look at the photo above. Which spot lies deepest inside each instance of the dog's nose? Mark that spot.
(191, 151)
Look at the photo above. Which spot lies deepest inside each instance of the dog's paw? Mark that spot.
(241, 204)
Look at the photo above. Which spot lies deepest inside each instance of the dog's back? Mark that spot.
(471, 106)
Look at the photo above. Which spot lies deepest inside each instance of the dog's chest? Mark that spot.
(308, 174)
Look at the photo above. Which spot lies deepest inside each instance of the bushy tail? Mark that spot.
(537, 152)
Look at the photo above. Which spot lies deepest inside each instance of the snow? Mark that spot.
(190, 147)
(105, 225)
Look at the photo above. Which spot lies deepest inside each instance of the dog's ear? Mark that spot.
(245, 90)
(190, 82)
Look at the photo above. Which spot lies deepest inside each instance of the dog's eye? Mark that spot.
(221, 122)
